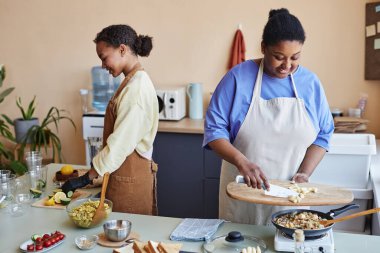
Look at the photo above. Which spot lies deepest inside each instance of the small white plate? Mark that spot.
(26, 243)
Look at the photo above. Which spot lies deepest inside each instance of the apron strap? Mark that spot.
(294, 86)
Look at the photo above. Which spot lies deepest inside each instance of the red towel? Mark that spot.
(238, 50)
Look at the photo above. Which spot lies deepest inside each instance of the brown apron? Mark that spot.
(132, 187)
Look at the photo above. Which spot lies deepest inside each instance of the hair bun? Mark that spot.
(273, 13)
(143, 45)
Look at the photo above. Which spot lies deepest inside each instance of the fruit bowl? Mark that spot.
(81, 211)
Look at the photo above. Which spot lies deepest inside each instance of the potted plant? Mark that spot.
(7, 158)
(22, 125)
(41, 135)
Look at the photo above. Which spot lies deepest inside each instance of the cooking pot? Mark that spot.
(310, 233)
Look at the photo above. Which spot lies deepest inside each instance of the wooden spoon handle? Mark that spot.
(328, 222)
(104, 188)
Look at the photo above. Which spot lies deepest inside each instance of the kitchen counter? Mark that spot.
(375, 179)
(16, 230)
(185, 125)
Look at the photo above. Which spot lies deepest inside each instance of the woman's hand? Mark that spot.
(253, 175)
(301, 178)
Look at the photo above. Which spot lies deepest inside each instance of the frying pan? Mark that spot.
(310, 233)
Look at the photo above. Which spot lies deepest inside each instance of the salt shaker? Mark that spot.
(299, 239)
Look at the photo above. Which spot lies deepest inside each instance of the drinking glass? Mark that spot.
(95, 145)
(7, 185)
(33, 159)
(22, 197)
(4, 174)
(38, 177)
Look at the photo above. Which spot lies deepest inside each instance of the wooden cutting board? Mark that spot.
(103, 241)
(326, 195)
(77, 194)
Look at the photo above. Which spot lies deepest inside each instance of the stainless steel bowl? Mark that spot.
(117, 230)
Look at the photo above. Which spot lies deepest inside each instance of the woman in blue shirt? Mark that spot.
(268, 119)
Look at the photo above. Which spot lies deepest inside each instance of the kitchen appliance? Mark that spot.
(103, 87)
(171, 103)
(316, 240)
(93, 124)
(323, 244)
(195, 93)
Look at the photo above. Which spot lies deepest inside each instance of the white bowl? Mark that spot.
(86, 242)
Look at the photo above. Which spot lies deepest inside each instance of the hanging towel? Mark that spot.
(238, 49)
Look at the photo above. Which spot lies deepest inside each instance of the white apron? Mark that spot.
(274, 135)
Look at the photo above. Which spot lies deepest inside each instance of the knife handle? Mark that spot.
(240, 180)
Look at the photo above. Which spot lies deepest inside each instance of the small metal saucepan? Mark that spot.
(310, 233)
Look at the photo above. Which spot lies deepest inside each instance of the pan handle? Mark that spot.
(336, 212)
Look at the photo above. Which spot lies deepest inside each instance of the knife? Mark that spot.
(275, 190)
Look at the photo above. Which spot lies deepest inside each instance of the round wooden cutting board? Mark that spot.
(326, 195)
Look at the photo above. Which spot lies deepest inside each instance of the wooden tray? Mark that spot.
(103, 241)
(77, 194)
(326, 195)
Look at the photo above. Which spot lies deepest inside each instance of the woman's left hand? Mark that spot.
(300, 178)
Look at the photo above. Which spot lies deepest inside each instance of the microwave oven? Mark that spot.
(171, 103)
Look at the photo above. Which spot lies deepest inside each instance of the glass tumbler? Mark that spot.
(38, 177)
(95, 145)
(33, 159)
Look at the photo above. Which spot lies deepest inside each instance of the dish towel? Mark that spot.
(195, 229)
(238, 49)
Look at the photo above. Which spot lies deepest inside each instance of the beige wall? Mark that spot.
(48, 50)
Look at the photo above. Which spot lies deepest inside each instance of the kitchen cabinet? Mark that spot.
(187, 177)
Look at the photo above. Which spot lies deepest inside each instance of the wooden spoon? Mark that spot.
(101, 213)
(328, 222)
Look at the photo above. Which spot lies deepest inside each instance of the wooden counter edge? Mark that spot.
(185, 125)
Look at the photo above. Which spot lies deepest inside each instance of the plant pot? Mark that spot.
(21, 128)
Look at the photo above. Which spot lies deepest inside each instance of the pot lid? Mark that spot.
(233, 242)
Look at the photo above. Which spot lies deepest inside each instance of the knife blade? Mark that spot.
(274, 190)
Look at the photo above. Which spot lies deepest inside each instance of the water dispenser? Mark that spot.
(104, 86)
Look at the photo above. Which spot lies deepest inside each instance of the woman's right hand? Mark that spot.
(252, 173)
(253, 176)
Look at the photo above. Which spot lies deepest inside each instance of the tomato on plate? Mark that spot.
(30, 247)
(44, 243)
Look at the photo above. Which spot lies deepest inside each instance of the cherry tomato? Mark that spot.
(47, 243)
(39, 247)
(46, 236)
(30, 247)
(38, 240)
(61, 236)
(53, 240)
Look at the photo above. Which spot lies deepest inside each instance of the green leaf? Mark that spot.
(5, 93)
(18, 167)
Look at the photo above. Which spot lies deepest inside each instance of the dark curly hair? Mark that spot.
(282, 26)
(115, 35)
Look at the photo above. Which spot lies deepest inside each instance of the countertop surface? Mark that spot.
(185, 125)
(15, 230)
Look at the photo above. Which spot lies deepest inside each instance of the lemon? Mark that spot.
(50, 202)
(58, 196)
(67, 170)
